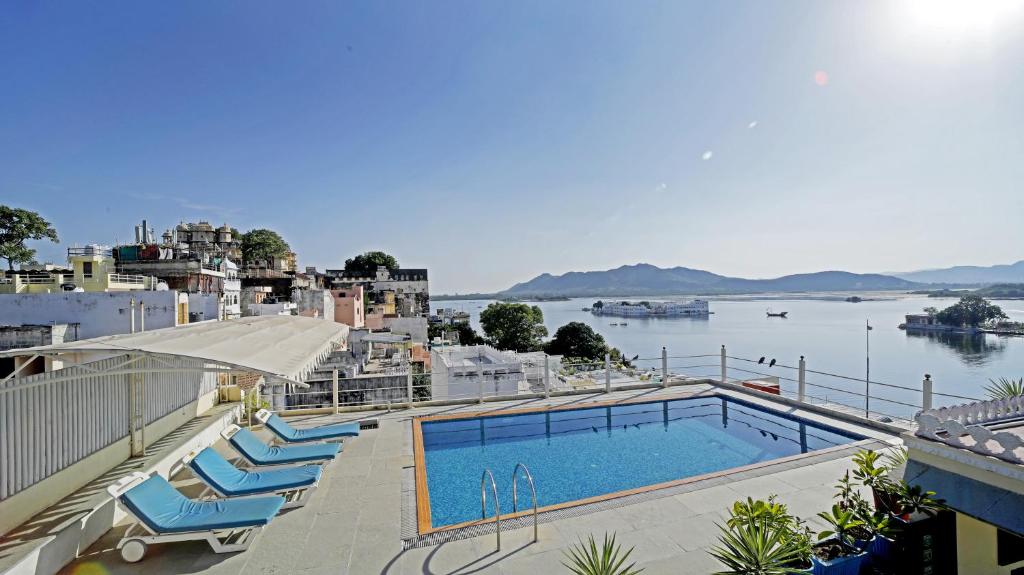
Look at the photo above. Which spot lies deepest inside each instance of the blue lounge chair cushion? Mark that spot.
(232, 481)
(260, 453)
(165, 510)
(288, 433)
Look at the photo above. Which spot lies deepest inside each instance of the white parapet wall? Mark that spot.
(62, 545)
(97, 313)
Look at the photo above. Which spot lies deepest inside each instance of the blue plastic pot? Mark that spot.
(881, 550)
(848, 565)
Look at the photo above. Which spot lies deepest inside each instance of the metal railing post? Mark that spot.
(334, 389)
(802, 380)
(408, 385)
(142, 316)
(725, 375)
(926, 393)
(607, 373)
(480, 375)
(664, 367)
(547, 376)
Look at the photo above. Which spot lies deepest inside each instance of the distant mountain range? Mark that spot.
(646, 279)
(967, 275)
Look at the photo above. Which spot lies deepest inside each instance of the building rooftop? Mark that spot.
(362, 518)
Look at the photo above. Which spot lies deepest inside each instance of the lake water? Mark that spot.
(829, 332)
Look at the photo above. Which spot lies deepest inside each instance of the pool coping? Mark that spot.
(423, 513)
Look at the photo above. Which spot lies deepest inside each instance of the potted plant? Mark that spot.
(916, 503)
(835, 552)
(762, 538)
(874, 475)
(588, 559)
(881, 544)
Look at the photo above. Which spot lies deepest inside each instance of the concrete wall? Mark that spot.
(97, 313)
(205, 305)
(976, 548)
(317, 303)
(14, 337)
(416, 327)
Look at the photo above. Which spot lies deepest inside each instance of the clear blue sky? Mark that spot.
(494, 141)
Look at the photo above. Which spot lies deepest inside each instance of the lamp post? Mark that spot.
(867, 369)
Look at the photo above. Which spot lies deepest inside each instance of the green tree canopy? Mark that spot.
(260, 245)
(577, 340)
(369, 262)
(467, 335)
(970, 311)
(18, 226)
(513, 326)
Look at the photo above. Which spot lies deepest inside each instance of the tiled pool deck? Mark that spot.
(355, 521)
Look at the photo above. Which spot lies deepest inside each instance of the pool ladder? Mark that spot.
(488, 476)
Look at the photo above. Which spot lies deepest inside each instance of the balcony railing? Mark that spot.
(126, 279)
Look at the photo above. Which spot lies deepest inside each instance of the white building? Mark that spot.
(649, 309)
(467, 371)
(232, 298)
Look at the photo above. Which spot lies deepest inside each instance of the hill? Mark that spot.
(1008, 273)
(646, 279)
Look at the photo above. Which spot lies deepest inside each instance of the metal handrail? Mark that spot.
(483, 502)
(533, 494)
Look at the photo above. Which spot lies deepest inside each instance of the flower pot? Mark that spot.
(881, 550)
(846, 565)
(886, 501)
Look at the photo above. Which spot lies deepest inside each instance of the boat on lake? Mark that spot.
(781, 314)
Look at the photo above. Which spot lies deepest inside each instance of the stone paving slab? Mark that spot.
(353, 522)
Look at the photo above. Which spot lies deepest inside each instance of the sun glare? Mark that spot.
(961, 17)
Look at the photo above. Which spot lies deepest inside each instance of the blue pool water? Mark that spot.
(580, 453)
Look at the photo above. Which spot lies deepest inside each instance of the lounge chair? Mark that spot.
(295, 484)
(289, 434)
(165, 515)
(256, 453)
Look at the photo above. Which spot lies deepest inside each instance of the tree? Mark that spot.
(370, 261)
(467, 335)
(18, 226)
(598, 304)
(970, 311)
(577, 340)
(261, 245)
(514, 326)
(930, 310)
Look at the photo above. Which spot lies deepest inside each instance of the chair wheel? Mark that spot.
(133, 550)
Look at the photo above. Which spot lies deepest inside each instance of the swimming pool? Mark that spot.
(576, 454)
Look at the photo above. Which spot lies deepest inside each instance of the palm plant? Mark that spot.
(914, 499)
(896, 458)
(587, 559)
(842, 522)
(759, 547)
(1005, 388)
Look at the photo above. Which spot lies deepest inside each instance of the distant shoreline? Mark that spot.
(839, 295)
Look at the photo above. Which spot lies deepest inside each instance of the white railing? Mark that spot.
(876, 400)
(126, 279)
(50, 421)
(41, 279)
(964, 426)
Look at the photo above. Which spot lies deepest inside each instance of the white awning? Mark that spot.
(287, 347)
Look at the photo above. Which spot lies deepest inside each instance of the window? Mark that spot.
(1009, 547)
(87, 270)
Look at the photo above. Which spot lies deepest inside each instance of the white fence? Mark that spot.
(895, 403)
(48, 421)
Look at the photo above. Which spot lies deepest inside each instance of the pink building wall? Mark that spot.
(348, 306)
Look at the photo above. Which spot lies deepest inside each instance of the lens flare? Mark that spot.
(821, 78)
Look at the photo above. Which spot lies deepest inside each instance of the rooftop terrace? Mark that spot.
(362, 519)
